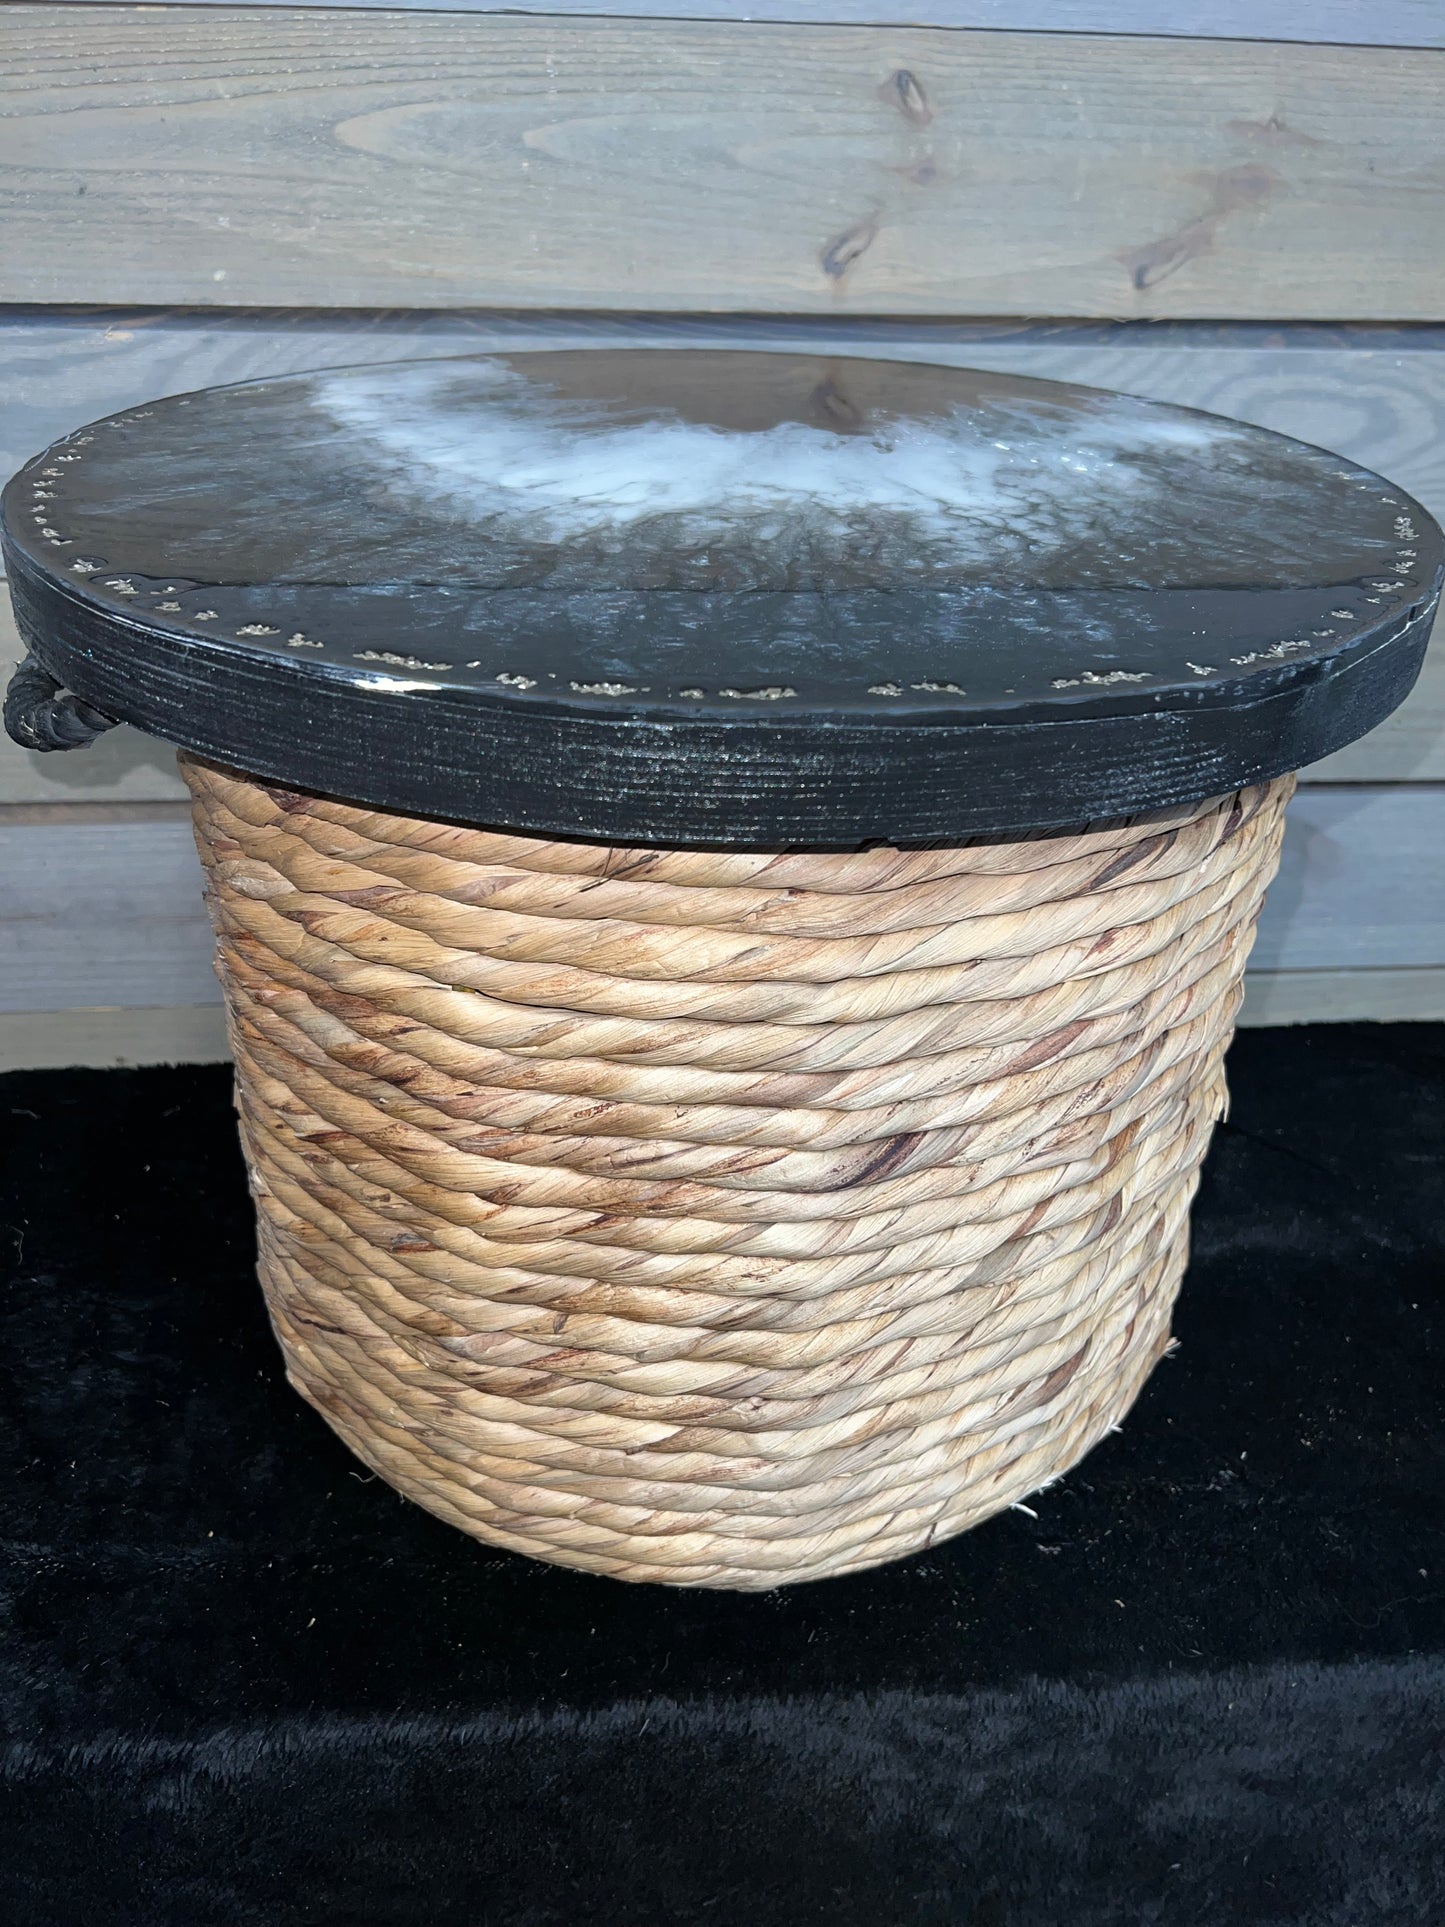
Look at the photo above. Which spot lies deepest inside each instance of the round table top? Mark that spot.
(663, 595)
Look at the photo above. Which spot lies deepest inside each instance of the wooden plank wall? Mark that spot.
(285, 174)
(1360, 23)
(245, 155)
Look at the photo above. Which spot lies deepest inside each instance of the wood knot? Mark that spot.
(842, 252)
(904, 91)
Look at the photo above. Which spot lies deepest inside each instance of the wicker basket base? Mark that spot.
(723, 1219)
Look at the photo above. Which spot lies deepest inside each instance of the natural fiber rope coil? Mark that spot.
(723, 1219)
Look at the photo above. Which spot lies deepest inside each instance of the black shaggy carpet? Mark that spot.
(243, 1683)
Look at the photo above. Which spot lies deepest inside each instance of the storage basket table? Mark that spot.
(732, 875)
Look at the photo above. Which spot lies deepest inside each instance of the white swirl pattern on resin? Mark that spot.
(970, 488)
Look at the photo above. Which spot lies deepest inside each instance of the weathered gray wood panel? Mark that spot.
(255, 156)
(1360, 881)
(1379, 23)
(1376, 395)
(103, 906)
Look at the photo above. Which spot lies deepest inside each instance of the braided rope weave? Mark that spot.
(723, 1219)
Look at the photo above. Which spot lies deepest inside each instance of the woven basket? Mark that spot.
(723, 1219)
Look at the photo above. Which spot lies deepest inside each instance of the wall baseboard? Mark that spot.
(1343, 997)
(114, 1039)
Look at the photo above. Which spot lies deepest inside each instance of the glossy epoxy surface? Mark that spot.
(664, 530)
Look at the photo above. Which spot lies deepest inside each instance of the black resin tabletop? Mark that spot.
(678, 596)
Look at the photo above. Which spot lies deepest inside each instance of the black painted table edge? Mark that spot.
(747, 784)
(743, 774)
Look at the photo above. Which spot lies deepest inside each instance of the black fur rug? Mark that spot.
(245, 1685)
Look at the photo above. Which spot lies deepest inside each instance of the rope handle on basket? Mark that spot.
(41, 714)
